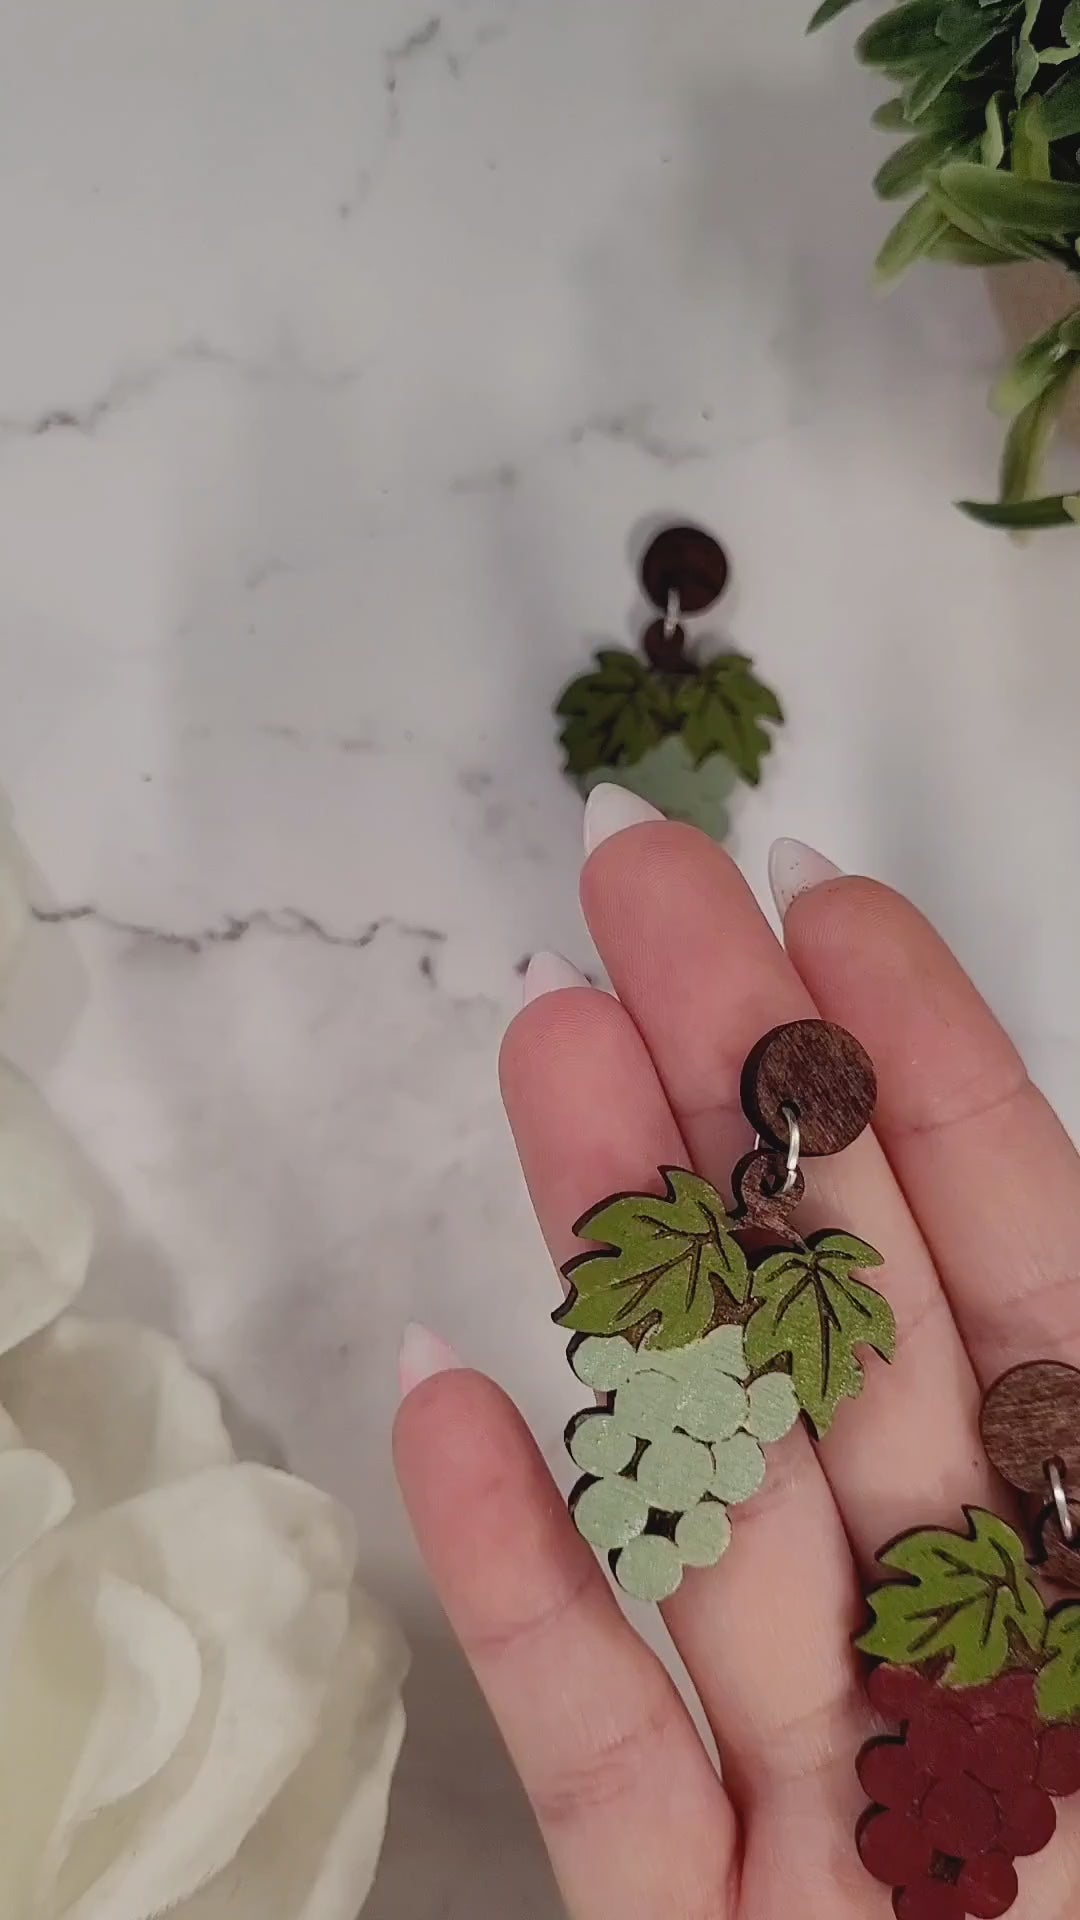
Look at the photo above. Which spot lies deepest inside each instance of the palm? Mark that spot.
(970, 1189)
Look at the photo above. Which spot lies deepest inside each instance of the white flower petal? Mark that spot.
(151, 1676)
(258, 1565)
(313, 1854)
(45, 1223)
(48, 1690)
(35, 1495)
(117, 1405)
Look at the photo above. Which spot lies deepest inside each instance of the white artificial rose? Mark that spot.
(199, 1711)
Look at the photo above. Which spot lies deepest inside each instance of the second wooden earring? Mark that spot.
(706, 1353)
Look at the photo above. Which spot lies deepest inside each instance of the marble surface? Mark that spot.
(345, 350)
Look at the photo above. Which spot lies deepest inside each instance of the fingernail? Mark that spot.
(795, 868)
(546, 973)
(423, 1354)
(609, 809)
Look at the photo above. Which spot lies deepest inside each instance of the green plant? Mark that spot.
(988, 94)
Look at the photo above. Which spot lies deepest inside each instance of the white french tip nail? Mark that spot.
(794, 869)
(422, 1355)
(609, 809)
(546, 973)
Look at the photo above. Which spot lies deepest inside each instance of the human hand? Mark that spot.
(970, 1188)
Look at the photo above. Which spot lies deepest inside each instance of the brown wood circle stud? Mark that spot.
(1032, 1415)
(823, 1073)
(686, 561)
(666, 651)
(757, 1184)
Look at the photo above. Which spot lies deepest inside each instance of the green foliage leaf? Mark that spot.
(903, 171)
(964, 1597)
(614, 714)
(1070, 25)
(723, 709)
(813, 1313)
(1025, 68)
(963, 251)
(941, 69)
(1057, 1690)
(1061, 108)
(992, 151)
(828, 10)
(890, 117)
(1025, 442)
(1025, 516)
(916, 231)
(903, 36)
(1030, 142)
(664, 1260)
(1034, 368)
(1004, 200)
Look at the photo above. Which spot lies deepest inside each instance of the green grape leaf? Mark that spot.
(722, 708)
(1070, 25)
(663, 1260)
(814, 1313)
(963, 1597)
(613, 715)
(1057, 1690)
(828, 10)
(1055, 510)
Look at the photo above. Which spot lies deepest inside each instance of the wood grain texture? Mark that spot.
(687, 561)
(823, 1072)
(756, 1184)
(1031, 1415)
(1056, 1558)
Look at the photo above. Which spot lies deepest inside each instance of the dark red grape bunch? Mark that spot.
(962, 1792)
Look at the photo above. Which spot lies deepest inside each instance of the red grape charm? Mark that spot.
(980, 1679)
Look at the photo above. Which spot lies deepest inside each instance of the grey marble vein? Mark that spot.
(135, 383)
(634, 427)
(286, 922)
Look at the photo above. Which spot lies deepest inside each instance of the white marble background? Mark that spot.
(343, 348)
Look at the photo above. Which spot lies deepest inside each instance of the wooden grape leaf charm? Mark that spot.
(812, 1313)
(663, 1263)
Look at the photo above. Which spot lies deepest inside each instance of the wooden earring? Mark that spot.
(703, 1352)
(979, 1676)
(676, 726)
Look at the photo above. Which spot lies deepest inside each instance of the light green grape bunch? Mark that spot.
(680, 1441)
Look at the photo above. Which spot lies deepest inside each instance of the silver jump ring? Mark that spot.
(791, 1167)
(794, 1142)
(672, 612)
(1057, 1488)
